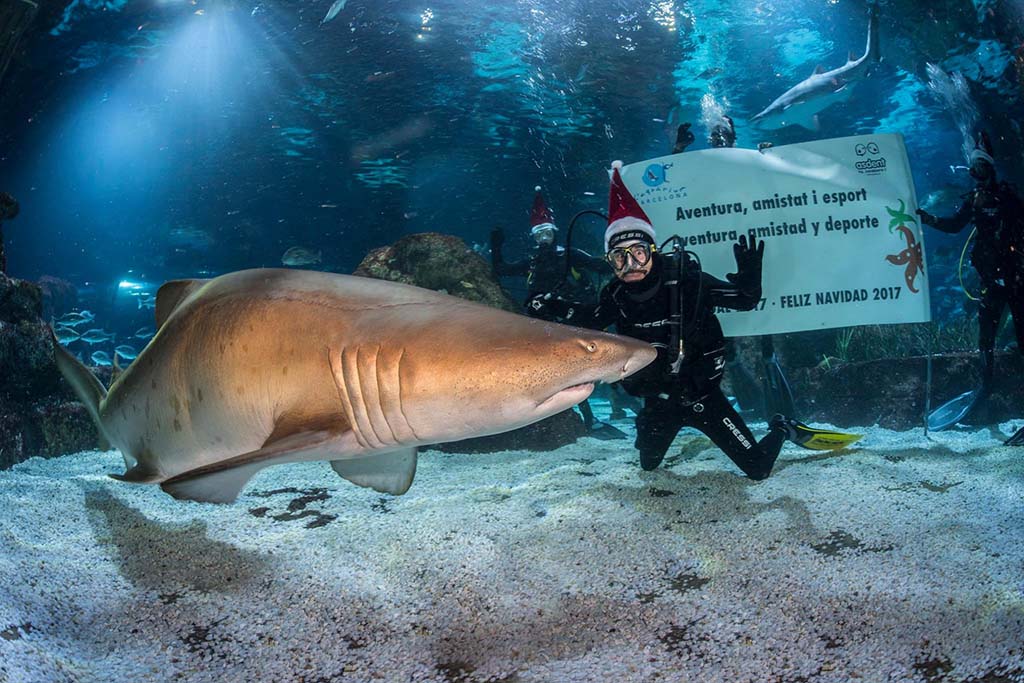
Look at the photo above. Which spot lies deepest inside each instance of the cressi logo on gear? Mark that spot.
(656, 174)
(868, 165)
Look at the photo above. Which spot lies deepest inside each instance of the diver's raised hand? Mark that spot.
(551, 306)
(749, 257)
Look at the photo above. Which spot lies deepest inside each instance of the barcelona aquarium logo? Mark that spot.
(658, 188)
(656, 174)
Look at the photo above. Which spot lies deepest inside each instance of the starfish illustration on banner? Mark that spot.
(909, 257)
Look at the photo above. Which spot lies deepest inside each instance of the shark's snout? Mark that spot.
(618, 357)
(639, 359)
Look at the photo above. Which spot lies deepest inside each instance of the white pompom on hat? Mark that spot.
(540, 216)
(626, 218)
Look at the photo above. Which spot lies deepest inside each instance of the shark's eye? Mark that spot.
(591, 347)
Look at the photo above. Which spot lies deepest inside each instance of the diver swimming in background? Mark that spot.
(544, 269)
(545, 273)
(997, 213)
(667, 301)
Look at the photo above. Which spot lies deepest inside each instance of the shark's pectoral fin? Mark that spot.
(390, 472)
(139, 474)
(222, 481)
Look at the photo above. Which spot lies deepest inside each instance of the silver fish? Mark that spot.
(96, 336)
(301, 256)
(126, 352)
(67, 335)
(101, 358)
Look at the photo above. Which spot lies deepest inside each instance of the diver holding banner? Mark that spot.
(668, 301)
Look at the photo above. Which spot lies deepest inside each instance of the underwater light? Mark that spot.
(128, 284)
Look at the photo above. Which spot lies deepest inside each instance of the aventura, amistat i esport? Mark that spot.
(774, 202)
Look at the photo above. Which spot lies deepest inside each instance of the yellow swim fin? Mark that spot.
(822, 439)
(811, 438)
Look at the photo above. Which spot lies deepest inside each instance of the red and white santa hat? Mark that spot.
(540, 217)
(626, 219)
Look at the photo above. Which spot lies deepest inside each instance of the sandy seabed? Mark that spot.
(899, 560)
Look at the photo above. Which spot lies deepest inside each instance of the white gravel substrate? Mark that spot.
(900, 560)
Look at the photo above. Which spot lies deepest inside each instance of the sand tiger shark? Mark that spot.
(269, 366)
(801, 104)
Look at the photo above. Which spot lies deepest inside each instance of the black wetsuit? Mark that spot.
(544, 271)
(998, 255)
(691, 397)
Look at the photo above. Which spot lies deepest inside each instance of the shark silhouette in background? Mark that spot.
(801, 104)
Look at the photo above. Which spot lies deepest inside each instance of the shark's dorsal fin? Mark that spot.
(852, 57)
(170, 295)
(818, 70)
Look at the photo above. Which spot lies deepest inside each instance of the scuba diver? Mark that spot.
(8, 209)
(997, 213)
(545, 273)
(544, 270)
(668, 301)
(723, 134)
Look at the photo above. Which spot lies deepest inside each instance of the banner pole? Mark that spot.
(928, 383)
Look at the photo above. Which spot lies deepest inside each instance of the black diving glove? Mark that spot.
(748, 264)
(550, 305)
(684, 138)
(927, 218)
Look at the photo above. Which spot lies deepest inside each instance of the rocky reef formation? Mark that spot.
(15, 18)
(444, 263)
(440, 262)
(890, 392)
(38, 413)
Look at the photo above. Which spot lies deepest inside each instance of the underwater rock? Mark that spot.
(445, 263)
(58, 295)
(19, 300)
(440, 262)
(890, 392)
(38, 414)
(15, 18)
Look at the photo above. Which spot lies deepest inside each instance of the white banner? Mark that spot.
(838, 217)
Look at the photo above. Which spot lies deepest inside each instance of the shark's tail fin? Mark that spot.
(873, 52)
(85, 385)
